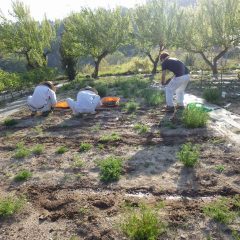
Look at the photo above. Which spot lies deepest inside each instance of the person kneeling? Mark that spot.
(87, 101)
(43, 99)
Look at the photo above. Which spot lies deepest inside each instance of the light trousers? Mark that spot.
(177, 85)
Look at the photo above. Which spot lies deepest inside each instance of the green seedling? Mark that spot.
(188, 155)
(38, 149)
(62, 150)
(142, 224)
(11, 205)
(110, 169)
(22, 176)
(141, 128)
(113, 137)
(84, 147)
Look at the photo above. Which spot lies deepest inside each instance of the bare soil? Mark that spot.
(68, 202)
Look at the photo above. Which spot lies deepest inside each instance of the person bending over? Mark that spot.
(43, 99)
(87, 101)
(177, 84)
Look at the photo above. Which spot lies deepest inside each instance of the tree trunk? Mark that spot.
(154, 70)
(154, 62)
(97, 63)
(29, 66)
(96, 69)
(213, 64)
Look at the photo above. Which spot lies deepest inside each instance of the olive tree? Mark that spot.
(154, 28)
(210, 29)
(26, 37)
(95, 33)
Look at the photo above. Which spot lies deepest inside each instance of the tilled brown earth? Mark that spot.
(69, 202)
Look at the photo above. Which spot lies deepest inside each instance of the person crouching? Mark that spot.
(43, 99)
(87, 101)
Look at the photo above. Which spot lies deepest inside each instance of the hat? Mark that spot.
(50, 85)
(163, 55)
(89, 88)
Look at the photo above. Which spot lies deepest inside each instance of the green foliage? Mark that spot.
(153, 97)
(102, 89)
(95, 33)
(110, 169)
(62, 150)
(12, 82)
(21, 151)
(25, 36)
(213, 38)
(219, 210)
(10, 122)
(212, 95)
(113, 137)
(188, 155)
(143, 224)
(220, 168)
(10, 205)
(194, 117)
(23, 175)
(84, 147)
(141, 128)
(154, 24)
(131, 106)
(38, 149)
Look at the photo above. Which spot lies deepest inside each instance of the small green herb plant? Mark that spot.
(188, 155)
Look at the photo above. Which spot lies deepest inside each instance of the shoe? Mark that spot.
(168, 109)
(45, 114)
(33, 114)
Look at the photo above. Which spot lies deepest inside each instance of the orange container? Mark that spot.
(62, 104)
(110, 101)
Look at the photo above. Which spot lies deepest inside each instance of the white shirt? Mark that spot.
(87, 101)
(42, 96)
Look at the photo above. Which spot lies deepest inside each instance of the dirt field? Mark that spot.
(69, 202)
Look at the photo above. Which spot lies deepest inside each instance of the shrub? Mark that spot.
(38, 149)
(23, 175)
(110, 169)
(21, 151)
(102, 89)
(141, 128)
(219, 211)
(131, 107)
(85, 147)
(153, 97)
(188, 155)
(62, 150)
(10, 205)
(194, 117)
(113, 137)
(212, 95)
(10, 122)
(77, 162)
(143, 224)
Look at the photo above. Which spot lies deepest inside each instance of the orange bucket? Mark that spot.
(110, 101)
(62, 104)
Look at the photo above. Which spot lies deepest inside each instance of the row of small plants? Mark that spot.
(143, 222)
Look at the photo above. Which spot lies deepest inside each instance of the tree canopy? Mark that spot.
(154, 26)
(95, 33)
(210, 29)
(25, 36)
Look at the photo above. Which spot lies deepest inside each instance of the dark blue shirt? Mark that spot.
(176, 66)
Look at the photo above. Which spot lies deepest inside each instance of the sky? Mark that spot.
(58, 9)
